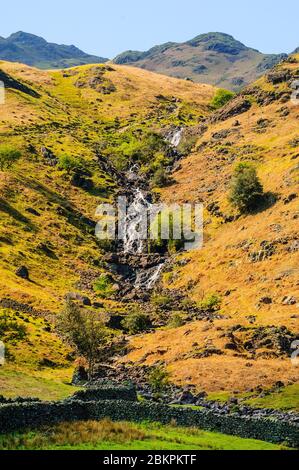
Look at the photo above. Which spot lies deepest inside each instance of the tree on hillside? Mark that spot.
(221, 98)
(246, 189)
(158, 379)
(84, 331)
(8, 156)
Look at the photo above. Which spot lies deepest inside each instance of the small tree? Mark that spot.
(221, 97)
(84, 331)
(8, 156)
(158, 379)
(246, 189)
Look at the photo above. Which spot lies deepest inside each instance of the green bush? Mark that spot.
(8, 156)
(221, 98)
(160, 178)
(168, 219)
(11, 330)
(158, 379)
(71, 164)
(246, 191)
(176, 321)
(104, 286)
(211, 303)
(136, 322)
(160, 300)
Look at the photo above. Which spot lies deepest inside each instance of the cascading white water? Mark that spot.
(133, 240)
(146, 279)
(175, 138)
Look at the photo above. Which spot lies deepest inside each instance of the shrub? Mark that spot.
(11, 329)
(136, 322)
(160, 300)
(160, 178)
(104, 286)
(158, 379)
(71, 164)
(8, 156)
(211, 303)
(171, 223)
(176, 321)
(221, 98)
(246, 190)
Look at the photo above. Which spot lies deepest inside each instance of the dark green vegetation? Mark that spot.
(158, 379)
(214, 58)
(84, 331)
(136, 322)
(107, 435)
(35, 51)
(246, 188)
(8, 156)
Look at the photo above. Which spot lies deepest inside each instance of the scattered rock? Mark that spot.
(23, 272)
(238, 105)
(278, 76)
(79, 298)
(49, 156)
(80, 375)
(290, 198)
(186, 398)
(266, 300)
(289, 300)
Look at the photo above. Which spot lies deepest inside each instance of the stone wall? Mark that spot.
(106, 393)
(14, 417)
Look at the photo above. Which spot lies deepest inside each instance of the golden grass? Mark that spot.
(215, 373)
(72, 434)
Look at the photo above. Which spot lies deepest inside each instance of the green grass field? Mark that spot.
(106, 435)
(45, 385)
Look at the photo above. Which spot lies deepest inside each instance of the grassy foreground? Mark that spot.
(106, 435)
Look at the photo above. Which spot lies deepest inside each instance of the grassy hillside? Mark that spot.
(214, 58)
(75, 130)
(249, 262)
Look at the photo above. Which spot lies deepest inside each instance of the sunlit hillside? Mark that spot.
(250, 263)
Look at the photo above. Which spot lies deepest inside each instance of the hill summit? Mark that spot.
(36, 51)
(214, 58)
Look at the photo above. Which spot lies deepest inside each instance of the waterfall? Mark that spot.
(176, 137)
(134, 239)
(146, 279)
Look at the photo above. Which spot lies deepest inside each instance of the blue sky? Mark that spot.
(107, 28)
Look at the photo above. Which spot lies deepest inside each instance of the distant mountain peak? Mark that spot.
(215, 58)
(34, 50)
(219, 42)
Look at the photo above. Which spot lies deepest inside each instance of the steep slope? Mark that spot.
(35, 51)
(214, 58)
(250, 262)
(80, 117)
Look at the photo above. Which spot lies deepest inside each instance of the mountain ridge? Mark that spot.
(214, 58)
(35, 51)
